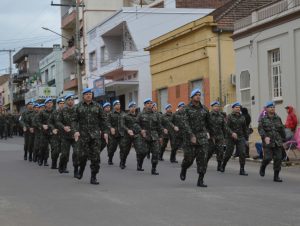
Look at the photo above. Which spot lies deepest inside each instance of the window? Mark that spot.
(93, 61)
(245, 89)
(53, 72)
(163, 98)
(275, 74)
(104, 56)
(130, 97)
(46, 76)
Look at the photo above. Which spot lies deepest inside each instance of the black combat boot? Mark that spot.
(80, 173)
(110, 160)
(30, 157)
(46, 162)
(219, 167)
(173, 157)
(276, 176)
(183, 173)
(40, 162)
(54, 164)
(94, 179)
(122, 164)
(140, 165)
(243, 172)
(153, 170)
(148, 155)
(75, 171)
(223, 166)
(25, 155)
(200, 182)
(262, 170)
(34, 159)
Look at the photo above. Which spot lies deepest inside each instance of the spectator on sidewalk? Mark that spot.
(291, 123)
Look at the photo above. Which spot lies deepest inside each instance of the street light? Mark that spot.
(47, 29)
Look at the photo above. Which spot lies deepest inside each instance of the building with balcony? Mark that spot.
(4, 91)
(267, 52)
(116, 49)
(27, 63)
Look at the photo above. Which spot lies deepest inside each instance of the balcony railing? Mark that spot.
(70, 84)
(68, 20)
(67, 55)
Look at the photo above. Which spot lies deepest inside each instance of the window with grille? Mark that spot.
(93, 61)
(275, 74)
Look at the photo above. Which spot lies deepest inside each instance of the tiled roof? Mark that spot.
(234, 10)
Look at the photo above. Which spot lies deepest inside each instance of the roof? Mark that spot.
(235, 10)
(3, 79)
(30, 51)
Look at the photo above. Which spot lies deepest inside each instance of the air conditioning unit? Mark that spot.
(233, 79)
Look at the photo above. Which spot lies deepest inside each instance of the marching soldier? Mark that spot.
(114, 120)
(66, 123)
(131, 136)
(272, 133)
(106, 108)
(37, 132)
(217, 131)
(55, 140)
(237, 136)
(42, 122)
(196, 147)
(149, 126)
(2, 121)
(91, 120)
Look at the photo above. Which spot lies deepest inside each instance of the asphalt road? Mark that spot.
(31, 195)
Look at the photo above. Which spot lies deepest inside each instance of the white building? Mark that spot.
(116, 49)
(267, 46)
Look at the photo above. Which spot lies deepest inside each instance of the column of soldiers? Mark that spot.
(88, 128)
(9, 124)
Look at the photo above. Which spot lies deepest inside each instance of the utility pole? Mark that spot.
(10, 78)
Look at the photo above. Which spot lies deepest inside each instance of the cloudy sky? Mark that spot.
(21, 22)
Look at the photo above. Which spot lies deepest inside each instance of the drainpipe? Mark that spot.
(219, 31)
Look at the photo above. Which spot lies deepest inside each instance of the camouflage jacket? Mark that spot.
(43, 119)
(217, 125)
(272, 127)
(151, 122)
(236, 123)
(67, 117)
(196, 122)
(114, 121)
(178, 120)
(34, 121)
(166, 122)
(128, 122)
(90, 120)
(26, 119)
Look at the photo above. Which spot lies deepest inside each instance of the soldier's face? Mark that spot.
(132, 109)
(169, 110)
(216, 108)
(61, 105)
(107, 109)
(197, 97)
(117, 107)
(36, 109)
(49, 105)
(70, 102)
(237, 109)
(88, 97)
(180, 108)
(148, 105)
(30, 107)
(271, 110)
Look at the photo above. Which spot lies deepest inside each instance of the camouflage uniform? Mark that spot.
(272, 127)
(196, 124)
(11, 124)
(128, 122)
(150, 122)
(90, 120)
(37, 136)
(103, 142)
(236, 123)
(67, 117)
(45, 136)
(166, 122)
(28, 136)
(178, 120)
(217, 131)
(55, 139)
(114, 120)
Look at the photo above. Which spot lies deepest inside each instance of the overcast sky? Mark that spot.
(20, 25)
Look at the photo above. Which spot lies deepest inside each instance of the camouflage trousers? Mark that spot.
(112, 145)
(89, 149)
(66, 144)
(274, 153)
(36, 145)
(240, 145)
(144, 146)
(216, 146)
(198, 152)
(166, 139)
(103, 144)
(125, 145)
(28, 143)
(55, 143)
(44, 147)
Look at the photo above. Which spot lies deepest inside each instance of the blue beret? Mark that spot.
(87, 90)
(132, 103)
(116, 102)
(69, 96)
(154, 104)
(269, 104)
(180, 104)
(42, 105)
(236, 104)
(168, 106)
(194, 92)
(147, 100)
(48, 100)
(60, 100)
(215, 103)
(36, 105)
(106, 104)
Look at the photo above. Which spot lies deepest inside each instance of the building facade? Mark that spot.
(116, 50)
(4, 91)
(267, 47)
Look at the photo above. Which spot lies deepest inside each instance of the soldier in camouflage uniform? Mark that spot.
(116, 132)
(43, 126)
(11, 124)
(106, 108)
(91, 120)
(178, 121)
(26, 124)
(55, 140)
(237, 136)
(37, 132)
(169, 133)
(217, 131)
(2, 121)
(66, 123)
(196, 144)
(149, 126)
(131, 136)
(272, 133)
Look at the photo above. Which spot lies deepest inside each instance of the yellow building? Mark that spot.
(199, 54)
